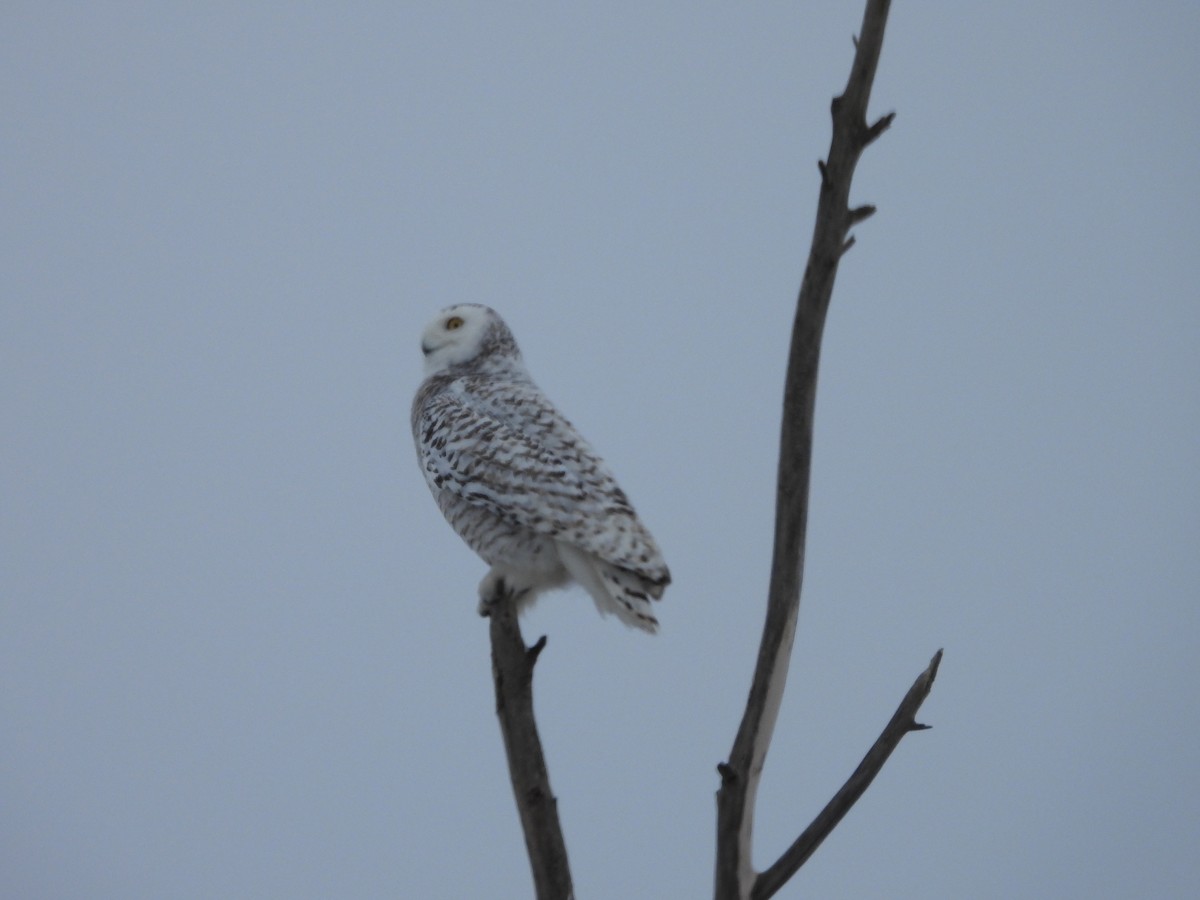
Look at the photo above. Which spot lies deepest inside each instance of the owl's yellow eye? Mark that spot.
(453, 323)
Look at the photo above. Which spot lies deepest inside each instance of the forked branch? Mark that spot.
(903, 721)
(735, 878)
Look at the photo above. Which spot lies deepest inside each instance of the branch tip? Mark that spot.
(859, 213)
(932, 669)
(532, 653)
(882, 124)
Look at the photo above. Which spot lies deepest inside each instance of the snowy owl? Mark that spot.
(518, 482)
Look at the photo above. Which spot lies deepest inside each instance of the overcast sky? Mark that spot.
(239, 653)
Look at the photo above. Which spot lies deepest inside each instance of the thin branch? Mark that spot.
(902, 722)
(734, 876)
(512, 671)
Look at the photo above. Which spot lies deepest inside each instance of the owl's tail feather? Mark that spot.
(614, 590)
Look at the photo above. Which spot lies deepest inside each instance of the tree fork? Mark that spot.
(734, 876)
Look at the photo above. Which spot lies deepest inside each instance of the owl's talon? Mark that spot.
(486, 604)
(491, 591)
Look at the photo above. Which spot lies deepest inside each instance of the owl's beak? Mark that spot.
(426, 349)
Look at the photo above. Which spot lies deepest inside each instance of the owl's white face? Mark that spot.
(454, 337)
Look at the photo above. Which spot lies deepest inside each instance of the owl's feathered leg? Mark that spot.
(495, 588)
(521, 587)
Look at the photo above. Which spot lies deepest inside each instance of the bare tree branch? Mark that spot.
(902, 722)
(513, 662)
(734, 878)
(512, 672)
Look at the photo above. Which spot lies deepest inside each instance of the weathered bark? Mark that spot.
(512, 672)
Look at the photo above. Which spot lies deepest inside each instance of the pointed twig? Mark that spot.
(536, 650)
(859, 213)
(881, 125)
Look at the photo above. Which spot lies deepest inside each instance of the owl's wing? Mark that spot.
(555, 487)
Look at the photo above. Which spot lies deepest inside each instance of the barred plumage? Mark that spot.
(517, 481)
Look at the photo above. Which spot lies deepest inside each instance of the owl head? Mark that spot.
(468, 333)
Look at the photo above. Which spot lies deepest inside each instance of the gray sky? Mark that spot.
(239, 654)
